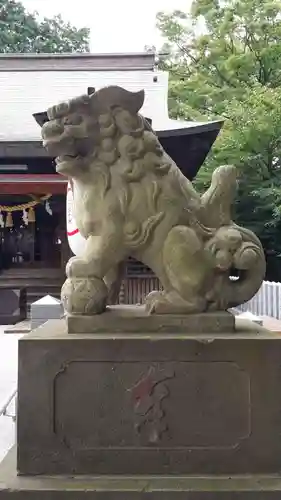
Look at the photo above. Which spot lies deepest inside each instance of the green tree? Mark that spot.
(23, 32)
(224, 60)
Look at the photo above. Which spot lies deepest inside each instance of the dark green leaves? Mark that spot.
(23, 32)
(225, 61)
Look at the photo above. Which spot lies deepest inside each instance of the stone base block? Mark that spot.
(135, 319)
(135, 488)
(46, 308)
(149, 404)
(12, 305)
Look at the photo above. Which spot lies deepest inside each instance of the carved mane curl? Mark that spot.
(129, 138)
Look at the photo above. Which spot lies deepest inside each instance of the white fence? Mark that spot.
(267, 302)
(135, 288)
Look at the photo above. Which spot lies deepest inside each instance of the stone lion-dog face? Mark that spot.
(78, 129)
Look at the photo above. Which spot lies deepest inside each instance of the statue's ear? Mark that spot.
(136, 101)
(91, 90)
(41, 118)
(109, 97)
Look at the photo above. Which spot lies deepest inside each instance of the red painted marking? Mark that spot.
(143, 388)
(72, 233)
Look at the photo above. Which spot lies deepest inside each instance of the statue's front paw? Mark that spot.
(77, 268)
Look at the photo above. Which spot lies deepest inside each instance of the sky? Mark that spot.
(116, 25)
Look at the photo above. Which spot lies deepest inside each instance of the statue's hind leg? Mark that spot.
(113, 280)
(187, 271)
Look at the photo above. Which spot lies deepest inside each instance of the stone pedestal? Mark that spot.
(13, 487)
(149, 404)
(193, 417)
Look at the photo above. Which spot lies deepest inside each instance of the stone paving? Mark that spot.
(8, 384)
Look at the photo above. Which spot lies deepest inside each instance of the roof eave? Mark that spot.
(189, 128)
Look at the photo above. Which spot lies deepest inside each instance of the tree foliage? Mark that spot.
(224, 60)
(23, 32)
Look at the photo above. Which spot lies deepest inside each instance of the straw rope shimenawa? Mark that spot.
(24, 207)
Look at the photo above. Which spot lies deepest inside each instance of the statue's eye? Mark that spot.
(73, 120)
(59, 110)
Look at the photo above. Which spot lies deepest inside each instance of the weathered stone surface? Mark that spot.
(149, 404)
(12, 305)
(131, 200)
(134, 488)
(135, 319)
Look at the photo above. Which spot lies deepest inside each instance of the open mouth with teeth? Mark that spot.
(65, 161)
(70, 164)
(59, 142)
(62, 158)
(62, 147)
(66, 158)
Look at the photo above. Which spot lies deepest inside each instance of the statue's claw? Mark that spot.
(172, 303)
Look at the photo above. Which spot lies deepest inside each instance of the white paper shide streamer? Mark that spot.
(76, 241)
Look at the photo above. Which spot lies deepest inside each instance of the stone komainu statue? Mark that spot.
(131, 199)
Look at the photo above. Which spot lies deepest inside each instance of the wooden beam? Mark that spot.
(142, 61)
(24, 189)
(23, 184)
(187, 146)
(22, 149)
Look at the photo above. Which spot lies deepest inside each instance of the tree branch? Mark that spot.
(186, 52)
(223, 77)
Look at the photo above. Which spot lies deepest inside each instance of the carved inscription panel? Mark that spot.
(167, 405)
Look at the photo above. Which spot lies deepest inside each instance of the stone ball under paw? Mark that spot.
(84, 296)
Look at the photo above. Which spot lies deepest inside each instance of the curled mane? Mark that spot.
(127, 140)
